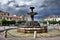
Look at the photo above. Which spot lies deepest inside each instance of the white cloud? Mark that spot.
(11, 4)
(25, 4)
(29, 2)
(3, 2)
(22, 2)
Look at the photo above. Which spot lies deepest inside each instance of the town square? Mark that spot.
(29, 20)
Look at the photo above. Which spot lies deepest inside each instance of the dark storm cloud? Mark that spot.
(42, 7)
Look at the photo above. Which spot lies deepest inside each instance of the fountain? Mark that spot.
(31, 26)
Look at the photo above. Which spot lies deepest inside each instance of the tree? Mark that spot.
(52, 22)
(21, 21)
(4, 22)
(59, 22)
(12, 22)
(45, 22)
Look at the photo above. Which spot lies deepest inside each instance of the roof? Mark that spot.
(12, 16)
(53, 16)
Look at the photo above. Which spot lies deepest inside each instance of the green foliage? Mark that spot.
(0, 21)
(52, 22)
(21, 21)
(59, 22)
(6, 22)
(16, 23)
(45, 22)
(12, 22)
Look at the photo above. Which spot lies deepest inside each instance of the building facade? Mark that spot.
(6, 16)
(53, 18)
(4, 13)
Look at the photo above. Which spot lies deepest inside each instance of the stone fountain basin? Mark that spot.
(31, 30)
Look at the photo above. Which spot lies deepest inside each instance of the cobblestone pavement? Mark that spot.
(2, 38)
(55, 38)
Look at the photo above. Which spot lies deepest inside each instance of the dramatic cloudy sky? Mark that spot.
(42, 7)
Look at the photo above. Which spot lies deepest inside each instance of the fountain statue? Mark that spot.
(32, 13)
(32, 22)
(31, 26)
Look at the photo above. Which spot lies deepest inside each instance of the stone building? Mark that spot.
(53, 17)
(2, 13)
(6, 16)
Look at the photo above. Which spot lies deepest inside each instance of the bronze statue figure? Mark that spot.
(32, 13)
